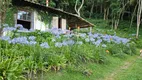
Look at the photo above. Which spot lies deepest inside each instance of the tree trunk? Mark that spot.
(105, 13)
(123, 4)
(91, 11)
(101, 9)
(119, 15)
(122, 16)
(115, 25)
(76, 6)
(78, 10)
(96, 9)
(139, 17)
(113, 22)
(133, 15)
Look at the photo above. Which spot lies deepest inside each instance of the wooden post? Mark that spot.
(63, 24)
(55, 21)
(47, 2)
(77, 32)
(15, 19)
(90, 29)
(32, 20)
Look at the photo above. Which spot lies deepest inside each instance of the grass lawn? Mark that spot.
(99, 71)
(134, 72)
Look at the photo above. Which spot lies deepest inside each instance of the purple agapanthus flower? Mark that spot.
(64, 43)
(44, 45)
(79, 43)
(32, 38)
(70, 42)
(9, 29)
(56, 31)
(87, 40)
(98, 42)
(19, 26)
(58, 44)
(90, 34)
(92, 39)
(21, 40)
(5, 38)
(82, 35)
(96, 35)
(32, 42)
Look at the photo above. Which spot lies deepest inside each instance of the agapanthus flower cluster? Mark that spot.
(19, 26)
(5, 38)
(79, 42)
(9, 29)
(44, 45)
(98, 39)
(32, 38)
(61, 39)
(83, 35)
(56, 31)
(68, 35)
(19, 40)
(98, 42)
(65, 43)
(70, 42)
(58, 44)
(119, 40)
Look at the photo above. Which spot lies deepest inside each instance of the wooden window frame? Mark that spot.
(26, 16)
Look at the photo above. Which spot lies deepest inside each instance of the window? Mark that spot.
(24, 18)
(23, 15)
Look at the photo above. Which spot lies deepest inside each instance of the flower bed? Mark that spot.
(37, 51)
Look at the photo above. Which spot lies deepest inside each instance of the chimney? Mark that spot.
(47, 2)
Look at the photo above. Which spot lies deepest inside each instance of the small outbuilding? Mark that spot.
(36, 16)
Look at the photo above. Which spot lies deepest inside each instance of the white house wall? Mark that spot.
(55, 22)
(39, 25)
(63, 24)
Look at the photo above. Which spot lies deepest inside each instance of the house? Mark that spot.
(29, 16)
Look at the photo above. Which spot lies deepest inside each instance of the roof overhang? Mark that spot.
(73, 20)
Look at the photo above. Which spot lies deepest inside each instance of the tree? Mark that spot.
(92, 8)
(139, 11)
(79, 8)
(134, 12)
(106, 8)
(4, 5)
(117, 10)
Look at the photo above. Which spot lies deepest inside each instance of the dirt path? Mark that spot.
(126, 65)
